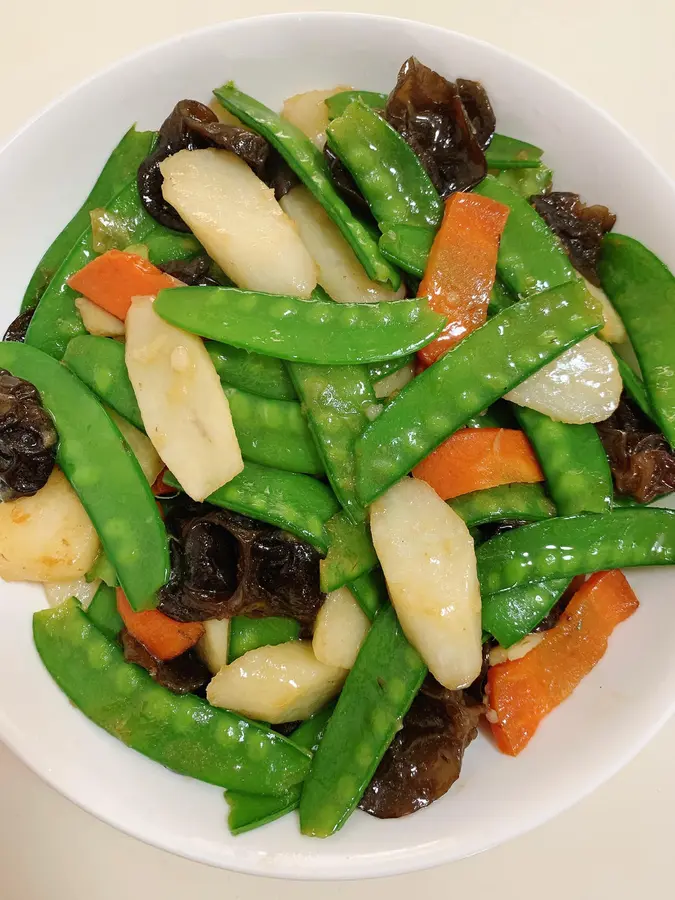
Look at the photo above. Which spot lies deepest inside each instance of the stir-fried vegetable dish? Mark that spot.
(328, 433)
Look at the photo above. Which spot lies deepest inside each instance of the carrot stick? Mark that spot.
(477, 458)
(523, 691)
(460, 270)
(112, 279)
(163, 637)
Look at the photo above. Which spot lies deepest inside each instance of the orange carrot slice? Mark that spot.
(460, 270)
(478, 458)
(523, 691)
(163, 637)
(112, 279)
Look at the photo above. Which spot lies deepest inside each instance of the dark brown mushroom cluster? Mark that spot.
(225, 564)
(28, 439)
(642, 462)
(193, 126)
(579, 227)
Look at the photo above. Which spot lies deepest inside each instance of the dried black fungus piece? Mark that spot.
(427, 110)
(425, 758)
(224, 564)
(279, 175)
(28, 439)
(193, 126)
(479, 110)
(579, 227)
(18, 328)
(191, 271)
(642, 463)
(183, 675)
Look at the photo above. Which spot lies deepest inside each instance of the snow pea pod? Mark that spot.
(251, 372)
(634, 386)
(310, 331)
(248, 811)
(57, 320)
(407, 246)
(379, 689)
(370, 591)
(509, 153)
(273, 432)
(308, 163)
(103, 471)
(530, 259)
(99, 363)
(335, 400)
(642, 290)
(508, 502)
(577, 545)
(350, 553)
(386, 169)
(120, 168)
(467, 379)
(181, 732)
(249, 634)
(509, 615)
(573, 460)
(297, 503)
(338, 103)
(103, 612)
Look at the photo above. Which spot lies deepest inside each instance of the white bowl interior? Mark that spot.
(44, 174)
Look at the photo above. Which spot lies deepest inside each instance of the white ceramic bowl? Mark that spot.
(46, 171)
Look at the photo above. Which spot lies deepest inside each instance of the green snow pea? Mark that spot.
(338, 103)
(121, 166)
(642, 290)
(99, 363)
(273, 432)
(385, 168)
(508, 502)
(249, 634)
(407, 246)
(527, 182)
(104, 570)
(573, 460)
(509, 153)
(310, 331)
(103, 471)
(308, 163)
(248, 811)
(576, 545)
(251, 372)
(379, 689)
(181, 732)
(509, 615)
(634, 386)
(350, 552)
(103, 612)
(165, 245)
(379, 370)
(335, 400)
(370, 591)
(483, 367)
(531, 258)
(297, 503)
(56, 319)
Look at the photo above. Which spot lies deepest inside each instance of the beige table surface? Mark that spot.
(617, 843)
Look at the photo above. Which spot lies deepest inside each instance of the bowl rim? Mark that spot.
(412, 859)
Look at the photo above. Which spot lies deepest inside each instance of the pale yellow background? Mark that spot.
(618, 843)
